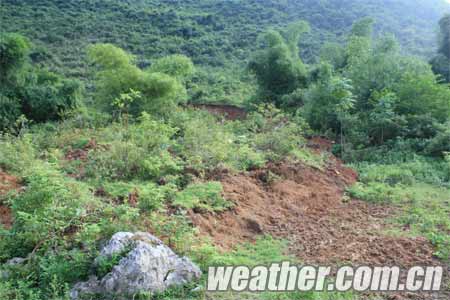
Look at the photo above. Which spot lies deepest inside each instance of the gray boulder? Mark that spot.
(147, 266)
(16, 261)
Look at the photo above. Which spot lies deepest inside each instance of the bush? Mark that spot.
(17, 154)
(376, 192)
(274, 133)
(138, 151)
(207, 144)
(10, 110)
(47, 96)
(202, 196)
(387, 174)
(161, 86)
(149, 196)
(277, 66)
(37, 93)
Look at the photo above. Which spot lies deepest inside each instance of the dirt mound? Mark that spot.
(7, 184)
(306, 207)
(229, 112)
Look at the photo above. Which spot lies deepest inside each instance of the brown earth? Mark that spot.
(229, 112)
(307, 207)
(81, 154)
(7, 184)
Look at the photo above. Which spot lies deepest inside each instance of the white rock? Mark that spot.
(149, 266)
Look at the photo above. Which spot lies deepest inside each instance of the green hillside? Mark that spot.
(211, 32)
(339, 153)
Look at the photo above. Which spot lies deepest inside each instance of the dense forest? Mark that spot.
(217, 35)
(333, 113)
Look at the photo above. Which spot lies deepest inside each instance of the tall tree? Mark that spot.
(441, 62)
(278, 67)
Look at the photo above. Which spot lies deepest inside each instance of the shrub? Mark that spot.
(17, 154)
(377, 192)
(10, 110)
(202, 196)
(138, 151)
(387, 174)
(47, 96)
(207, 144)
(37, 93)
(274, 134)
(161, 86)
(277, 66)
(149, 196)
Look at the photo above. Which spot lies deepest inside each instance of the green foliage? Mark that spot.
(139, 151)
(388, 174)
(150, 196)
(202, 196)
(206, 144)
(14, 51)
(376, 192)
(328, 100)
(441, 63)
(264, 251)
(420, 186)
(427, 215)
(178, 66)
(105, 264)
(377, 96)
(47, 96)
(213, 33)
(383, 105)
(276, 134)
(278, 67)
(160, 86)
(17, 155)
(10, 110)
(221, 86)
(37, 93)
(362, 28)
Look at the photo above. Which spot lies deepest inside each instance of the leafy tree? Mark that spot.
(441, 66)
(392, 96)
(278, 67)
(383, 122)
(46, 95)
(178, 66)
(362, 28)
(14, 50)
(334, 54)
(161, 85)
(328, 101)
(38, 94)
(444, 37)
(441, 62)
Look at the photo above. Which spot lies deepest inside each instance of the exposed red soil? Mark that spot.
(306, 207)
(7, 184)
(81, 154)
(229, 112)
(320, 144)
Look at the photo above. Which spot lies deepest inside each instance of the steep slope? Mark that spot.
(212, 32)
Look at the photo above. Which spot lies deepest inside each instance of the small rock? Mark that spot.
(15, 261)
(4, 274)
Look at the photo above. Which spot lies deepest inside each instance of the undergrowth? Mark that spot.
(420, 188)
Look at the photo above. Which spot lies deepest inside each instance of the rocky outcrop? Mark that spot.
(147, 266)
